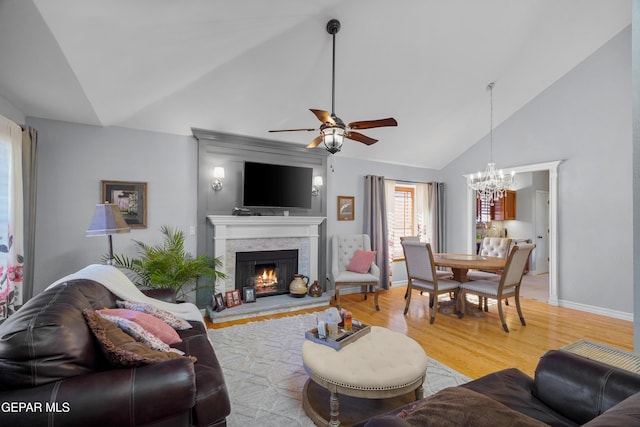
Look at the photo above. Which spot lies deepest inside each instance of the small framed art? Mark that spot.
(131, 198)
(233, 298)
(345, 208)
(249, 294)
(218, 302)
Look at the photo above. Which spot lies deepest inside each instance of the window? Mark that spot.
(5, 158)
(403, 218)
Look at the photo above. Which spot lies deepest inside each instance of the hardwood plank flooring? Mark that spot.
(476, 346)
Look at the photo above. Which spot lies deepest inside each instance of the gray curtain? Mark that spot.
(440, 217)
(375, 224)
(29, 182)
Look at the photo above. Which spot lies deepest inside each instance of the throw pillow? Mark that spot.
(361, 261)
(137, 332)
(169, 318)
(457, 406)
(150, 323)
(120, 349)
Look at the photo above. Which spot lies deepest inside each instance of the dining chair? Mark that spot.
(442, 274)
(348, 253)
(507, 286)
(491, 246)
(421, 275)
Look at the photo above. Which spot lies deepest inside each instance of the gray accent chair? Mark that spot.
(342, 249)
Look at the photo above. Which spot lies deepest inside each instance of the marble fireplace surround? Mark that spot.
(233, 234)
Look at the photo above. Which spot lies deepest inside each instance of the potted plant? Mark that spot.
(168, 265)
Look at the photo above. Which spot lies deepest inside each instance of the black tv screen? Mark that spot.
(269, 185)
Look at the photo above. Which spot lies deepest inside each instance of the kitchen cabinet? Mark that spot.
(502, 209)
(505, 208)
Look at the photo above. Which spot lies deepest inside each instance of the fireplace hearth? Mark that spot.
(269, 272)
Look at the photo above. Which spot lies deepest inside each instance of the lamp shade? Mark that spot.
(107, 220)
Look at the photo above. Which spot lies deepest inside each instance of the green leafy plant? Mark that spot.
(168, 265)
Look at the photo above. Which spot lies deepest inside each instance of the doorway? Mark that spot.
(552, 168)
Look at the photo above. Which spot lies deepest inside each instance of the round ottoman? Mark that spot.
(382, 364)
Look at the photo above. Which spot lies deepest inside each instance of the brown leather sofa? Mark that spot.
(54, 373)
(567, 390)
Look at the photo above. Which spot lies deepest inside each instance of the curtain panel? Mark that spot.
(375, 224)
(12, 242)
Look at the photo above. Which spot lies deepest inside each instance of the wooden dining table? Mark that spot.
(460, 264)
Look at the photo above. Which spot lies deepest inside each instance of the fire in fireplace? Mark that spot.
(269, 272)
(265, 279)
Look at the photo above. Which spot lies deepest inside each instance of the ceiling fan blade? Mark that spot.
(315, 142)
(356, 136)
(368, 124)
(323, 116)
(292, 130)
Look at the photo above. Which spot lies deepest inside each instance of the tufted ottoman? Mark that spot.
(383, 365)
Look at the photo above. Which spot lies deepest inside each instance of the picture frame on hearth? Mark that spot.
(233, 298)
(218, 302)
(249, 294)
(346, 208)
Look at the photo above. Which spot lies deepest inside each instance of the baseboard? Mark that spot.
(597, 310)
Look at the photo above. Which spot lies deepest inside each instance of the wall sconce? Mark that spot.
(218, 176)
(317, 184)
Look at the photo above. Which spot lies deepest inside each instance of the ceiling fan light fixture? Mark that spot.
(333, 137)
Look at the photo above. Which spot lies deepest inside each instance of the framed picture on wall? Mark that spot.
(131, 198)
(345, 208)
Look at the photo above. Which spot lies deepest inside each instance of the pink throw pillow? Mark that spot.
(151, 324)
(361, 261)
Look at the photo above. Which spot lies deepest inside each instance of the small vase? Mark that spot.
(298, 286)
(315, 290)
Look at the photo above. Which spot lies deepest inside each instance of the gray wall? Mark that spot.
(585, 120)
(73, 159)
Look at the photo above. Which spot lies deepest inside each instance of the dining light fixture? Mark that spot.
(491, 185)
(317, 184)
(107, 220)
(218, 176)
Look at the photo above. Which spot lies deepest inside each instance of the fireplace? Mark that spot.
(269, 272)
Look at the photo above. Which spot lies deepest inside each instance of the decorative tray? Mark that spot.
(342, 339)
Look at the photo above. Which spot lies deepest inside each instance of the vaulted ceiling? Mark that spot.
(247, 66)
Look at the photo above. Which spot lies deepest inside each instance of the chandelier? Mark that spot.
(492, 184)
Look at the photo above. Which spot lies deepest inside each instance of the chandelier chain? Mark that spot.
(493, 184)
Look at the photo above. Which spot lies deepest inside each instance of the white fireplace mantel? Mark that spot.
(229, 227)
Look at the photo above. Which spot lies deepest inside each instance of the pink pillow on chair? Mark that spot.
(361, 261)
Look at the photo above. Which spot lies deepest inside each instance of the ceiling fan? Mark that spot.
(333, 130)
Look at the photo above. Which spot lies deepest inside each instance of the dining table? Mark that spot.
(460, 264)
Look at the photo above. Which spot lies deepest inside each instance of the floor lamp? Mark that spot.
(107, 220)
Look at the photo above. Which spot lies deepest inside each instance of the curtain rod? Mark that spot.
(412, 182)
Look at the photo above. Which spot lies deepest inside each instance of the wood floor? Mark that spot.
(476, 346)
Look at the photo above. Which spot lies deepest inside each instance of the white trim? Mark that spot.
(552, 168)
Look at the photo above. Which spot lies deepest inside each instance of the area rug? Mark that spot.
(262, 365)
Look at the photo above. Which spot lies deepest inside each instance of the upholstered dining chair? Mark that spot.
(442, 274)
(508, 286)
(353, 264)
(421, 275)
(491, 246)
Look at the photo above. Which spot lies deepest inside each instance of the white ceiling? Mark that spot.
(247, 66)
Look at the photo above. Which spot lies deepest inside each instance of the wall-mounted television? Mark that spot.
(276, 186)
